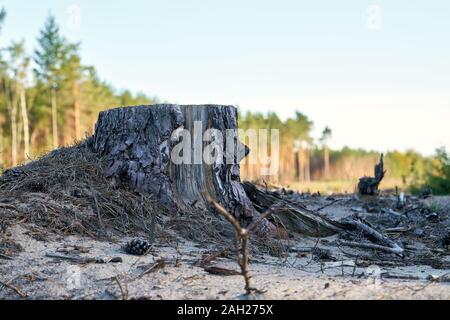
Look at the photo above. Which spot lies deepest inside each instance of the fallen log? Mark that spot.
(367, 246)
(297, 218)
(293, 216)
(373, 235)
(84, 260)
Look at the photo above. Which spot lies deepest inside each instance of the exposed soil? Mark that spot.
(301, 276)
(63, 226)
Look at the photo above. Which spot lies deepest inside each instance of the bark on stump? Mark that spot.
(138, 141)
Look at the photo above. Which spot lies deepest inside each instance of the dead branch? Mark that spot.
(123, 291)
(294, 216)
(21, 293)
(207, 259)
(221, 271)
(3, 256)
(84, 260)
(443, 278)
(243, 235)
(158, 265)
(375, 236)
(387, 275)
(366, 246)
(328, 204)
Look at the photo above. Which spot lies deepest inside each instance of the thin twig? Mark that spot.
(3, 256)
(123, 291)
(160, 264)
(328, 204)
(84, 260)
(367, 246)
(206, 260)
(228, 217)
(15, 289)
(244, 235)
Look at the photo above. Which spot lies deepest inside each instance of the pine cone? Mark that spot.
(137, 247)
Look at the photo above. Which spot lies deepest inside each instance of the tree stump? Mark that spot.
(369, 185)
(137, 143)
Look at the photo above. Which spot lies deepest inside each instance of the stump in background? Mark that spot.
(369, 185)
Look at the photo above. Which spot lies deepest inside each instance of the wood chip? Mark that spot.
(221, 271)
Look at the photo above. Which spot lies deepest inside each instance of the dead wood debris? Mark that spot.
(20, 292)
(371, 233)
(4, 256)
(67, 192)
(208, 258)
(123, 289)
(369, 185)
(158, 265)
(366, 246)
(292, 214)
(72, 249)
(84, 260)
(443, 278)
(241, 235)
(221, 271)
(379, 232)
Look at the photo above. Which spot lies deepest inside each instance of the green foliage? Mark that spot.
(59, 66)
(2, 17)
(409, 166)
(298, 127)
(438, 179)
(326, 135)
(432, 173)
(49, 54)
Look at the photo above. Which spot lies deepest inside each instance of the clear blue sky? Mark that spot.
(380, 86)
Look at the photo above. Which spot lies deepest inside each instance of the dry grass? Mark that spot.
(339, 186)
(211, 229)
(67, 192)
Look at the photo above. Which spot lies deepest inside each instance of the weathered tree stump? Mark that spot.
(138, 143)
(369, 185)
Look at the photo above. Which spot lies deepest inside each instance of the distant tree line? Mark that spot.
(312, 160)
(49, 97)
(436, 176)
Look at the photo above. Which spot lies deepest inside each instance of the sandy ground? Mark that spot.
(31, 274)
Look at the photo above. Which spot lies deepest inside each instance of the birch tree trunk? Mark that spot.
(54, 119)
(12, 106)
(26, 126)
(2, 158)
(76, 110)
(326, 160)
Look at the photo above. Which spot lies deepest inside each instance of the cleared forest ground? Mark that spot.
(63, 227)
(38, 269)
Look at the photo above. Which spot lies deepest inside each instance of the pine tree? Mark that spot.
(49, 58)
(2, 77)
(2, 17)
(19, 64)
(72, 71)
(325, 139)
